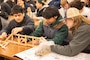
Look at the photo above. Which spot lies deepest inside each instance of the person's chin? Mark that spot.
(18, 21)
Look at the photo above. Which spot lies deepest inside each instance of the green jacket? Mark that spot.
(59, 36)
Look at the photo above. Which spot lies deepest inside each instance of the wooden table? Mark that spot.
(12, 49)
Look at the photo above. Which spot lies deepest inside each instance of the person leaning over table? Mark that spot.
(21, 23)
(80, 26)
(52, 28)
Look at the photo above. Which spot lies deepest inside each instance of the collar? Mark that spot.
(56, 22)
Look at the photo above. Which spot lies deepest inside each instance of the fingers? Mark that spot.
(2, 37)
(17, 29)
(14, 31)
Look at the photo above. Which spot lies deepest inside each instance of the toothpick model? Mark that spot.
(10, 39)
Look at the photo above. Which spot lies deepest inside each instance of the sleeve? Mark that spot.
(28, 27)
(79, 42)
(8, 28)
(38, 31)
(60, 35)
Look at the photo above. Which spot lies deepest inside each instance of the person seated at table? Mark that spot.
(52, 28)
(80, 26)
(21, 23)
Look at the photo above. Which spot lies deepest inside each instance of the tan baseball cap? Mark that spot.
(72, 12)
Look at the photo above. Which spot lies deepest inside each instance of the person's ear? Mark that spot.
(23, 14)
(55, 17)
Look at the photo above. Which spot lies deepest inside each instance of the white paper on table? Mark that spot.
(30, 55)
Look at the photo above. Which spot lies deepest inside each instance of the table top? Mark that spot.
(12, 49)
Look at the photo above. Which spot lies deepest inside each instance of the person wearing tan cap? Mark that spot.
(80, 26)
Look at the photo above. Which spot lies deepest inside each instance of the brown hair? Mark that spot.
(77, 22)
(57, 26)
(63, 2)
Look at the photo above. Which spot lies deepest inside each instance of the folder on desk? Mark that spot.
(30, 55)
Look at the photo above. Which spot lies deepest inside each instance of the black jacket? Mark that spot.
(27, 23)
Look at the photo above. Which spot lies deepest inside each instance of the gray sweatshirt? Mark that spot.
(79, 43)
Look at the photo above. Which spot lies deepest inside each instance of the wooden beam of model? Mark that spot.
(10, 39)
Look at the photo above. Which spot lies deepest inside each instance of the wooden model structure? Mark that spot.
(11, 39)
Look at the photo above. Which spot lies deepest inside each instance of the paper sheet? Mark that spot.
(30, 55)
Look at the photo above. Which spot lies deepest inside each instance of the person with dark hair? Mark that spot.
(5, 7)
(40, 5)
(11, 3)
(52, 28)
(25, 5)
(37, 16)
(83, 10)
(86, 3)
(3, 13)
(21, 24)
(1, 1)
(31, 2)
(77, 4)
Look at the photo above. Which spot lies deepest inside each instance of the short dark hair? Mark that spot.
(50, 12)
(1, 1)
(77, 4)
(17, 9)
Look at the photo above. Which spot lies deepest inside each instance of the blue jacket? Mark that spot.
(55, 3)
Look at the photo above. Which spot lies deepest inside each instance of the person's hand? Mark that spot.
(3, 35)
(44, 48)
(42, 39)
(16, 30)
(35, 42)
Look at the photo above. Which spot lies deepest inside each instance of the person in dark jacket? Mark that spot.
(37, 16)
(25, 5)
(52, 28)
(11, 3)
(5, 7)
(21, 24)
(31, 2)
(80, 27)
(3, 13)
(55, 3)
